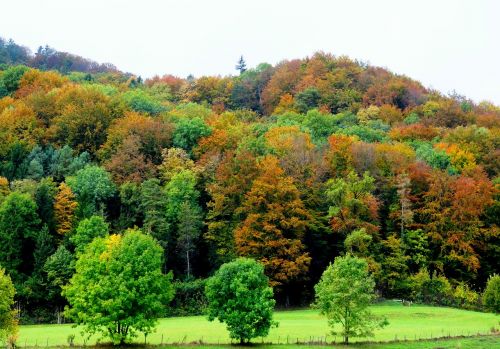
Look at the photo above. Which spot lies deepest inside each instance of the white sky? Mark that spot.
(445, 44)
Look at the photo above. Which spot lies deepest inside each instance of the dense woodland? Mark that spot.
(291, 165)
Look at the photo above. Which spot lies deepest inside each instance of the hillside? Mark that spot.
(292, 165)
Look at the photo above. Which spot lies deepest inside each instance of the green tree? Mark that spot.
(140, 101)
(88, 229)
(188, 132)
(8, 321)
(307, 99)
(491, 295)
(188, 231)
(130, 206)
(45, 198)
(59, 268)
(9, 80)
(241, 66)
(344, 293)
(153, 203)
(19, 223)
(239, 295)
(92, 186)
(118, 288)
(181, 191)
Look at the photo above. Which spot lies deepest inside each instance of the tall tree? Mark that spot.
(19, 224)
(274, 225)
(241, 66)
(188, 232)
(65, 207)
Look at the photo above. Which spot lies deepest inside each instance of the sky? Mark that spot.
(447, 45)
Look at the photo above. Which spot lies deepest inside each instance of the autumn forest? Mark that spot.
(291, 165)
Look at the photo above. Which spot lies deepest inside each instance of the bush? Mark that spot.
(436, 290)
(466, 298)
(491, 295)
(189, 298)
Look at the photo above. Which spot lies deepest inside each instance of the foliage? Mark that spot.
(344, 293)
(274, 225)
(190, 298)
(188, 132)
(19, 224)
(8, 319)
(118, 288)
(431, 290)
(87, 230)
(491, 295)
(92, 186)
(238, 294)
(65, 207)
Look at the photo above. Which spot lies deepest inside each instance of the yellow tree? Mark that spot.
(274, 226)
(64, 209)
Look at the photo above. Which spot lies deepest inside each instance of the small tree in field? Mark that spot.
(344, 293)
(118, 288)
(491, 295)
(239, 295)
(8, 321)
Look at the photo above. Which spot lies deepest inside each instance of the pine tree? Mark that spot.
(241, 66)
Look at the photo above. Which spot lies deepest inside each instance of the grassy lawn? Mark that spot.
(415, 322)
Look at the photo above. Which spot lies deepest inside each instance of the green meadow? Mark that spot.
(303, 326)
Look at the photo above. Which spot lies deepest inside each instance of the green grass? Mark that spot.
(489, 342)
(410, 323)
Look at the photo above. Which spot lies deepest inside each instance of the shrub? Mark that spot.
(189, 298)
(491, 295)
(434, 290)
(466, 298)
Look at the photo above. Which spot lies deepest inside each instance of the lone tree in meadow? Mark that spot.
(491, 295)
(118, 288)
(8, 321)
(344, 293)
(239, 295)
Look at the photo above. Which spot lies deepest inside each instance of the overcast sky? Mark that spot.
(445, 44)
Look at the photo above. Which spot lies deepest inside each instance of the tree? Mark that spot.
(19, 223)
(491, 295)
(88, 229)
(128, 164)
(239, 295)
(189, 131)
(344, 293)
(181, 199)
(153, 203)
(274, 226)
(8, 320)
(352, 206)
(118, 288)
(45, 199)
(92, 186)
(64, 209)
(241, 66)
(188, 230)
(59, 268)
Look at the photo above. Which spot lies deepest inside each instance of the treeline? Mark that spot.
(47, 58)
(291, 165)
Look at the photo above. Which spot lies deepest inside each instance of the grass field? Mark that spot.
(410, 323)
